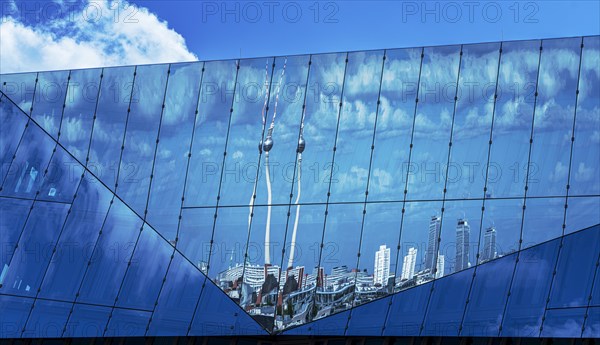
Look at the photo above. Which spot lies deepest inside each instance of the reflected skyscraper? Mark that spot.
(440, 266)
(382, 265)
(463, 232)
(489, 244)
(432, 243)
(408, 265)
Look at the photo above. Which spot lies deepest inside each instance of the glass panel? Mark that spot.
(574, 271)
(320, 125)
(407, 310)
(195, 234)
(543, 220)
(127, 323)
(15, 311)
(63, 176)
(394, 124)
(488, 297)
(109, 260)
(14, 214)
(460, 234)
(47, 319)
(531, 282)
(87, 321)
(210, 134)
(433, 123)
(585, 169)
(261, 280)
(283, 157)
(177, 299)
(142, 135)
(334, 325)
(513, 119)
(582, 213)
(79, 112)
(447, 304)
(501, 228)
(301, 258)
(12, 122)
(49, 100)
(109, 126)
(171, 156)
(563, 323)
(592, 323)
(245, 133)
(216, 314)
(149, 263)
(368, 319)
(19, 87)
(357, 125)
(30, 260)
(338, 259)
(419, 244)
(78, 238)
(472, 121)
(553, 124)
(379, 253)
(27, 169)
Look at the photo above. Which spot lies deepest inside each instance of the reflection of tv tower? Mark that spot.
(301, 146)
(267, 146)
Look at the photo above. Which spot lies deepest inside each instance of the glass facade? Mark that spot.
(389, 187)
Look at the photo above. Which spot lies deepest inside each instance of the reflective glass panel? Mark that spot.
(561, 323)
(47, 319)
(15, 311)
(491, 283)
(553, 123)
(49, 100)
(447, 304)
(109, 126)
(585, 169)
(80, 108)
(108, 263)
(29, 261)
(433, 123)
(513, 119)
(529, 291)
(144, 275)
(177, 299)
(141, 137)
(574, 271)
(77, 241)
(472, 121)
(27, 168)
(175, 138)
(358, 118)
(127, 323)
(19, 87)
(87, 321)
(394, 124)
(210, 134)
(13, 123)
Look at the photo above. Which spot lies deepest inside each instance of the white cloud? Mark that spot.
(238, 155)
(83, 39)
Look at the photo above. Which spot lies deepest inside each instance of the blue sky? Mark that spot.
(59, 34)
(218, 29)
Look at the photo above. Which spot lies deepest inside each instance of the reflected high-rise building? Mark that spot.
(382, 265)
(489, 244)
(432, 243)
(463, 232)
(440, 266)
(408, 265)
